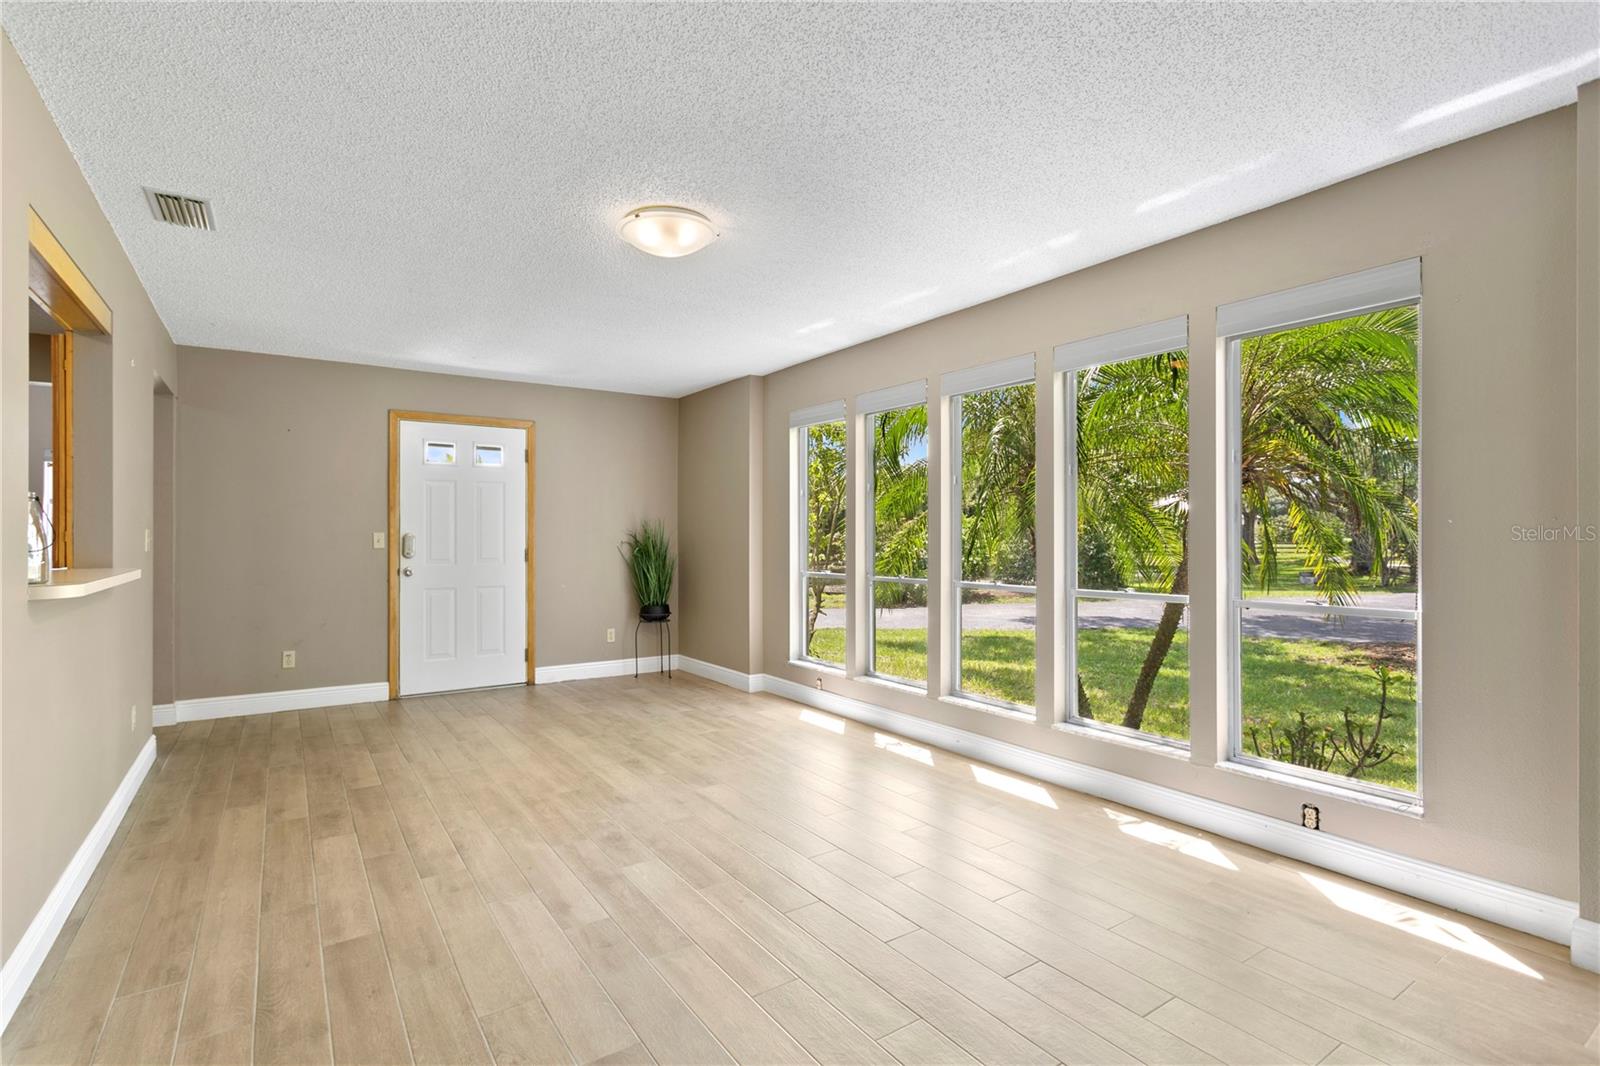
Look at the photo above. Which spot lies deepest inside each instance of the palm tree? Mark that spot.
(900, 494)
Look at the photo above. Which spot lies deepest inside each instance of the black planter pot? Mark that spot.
(655, 612)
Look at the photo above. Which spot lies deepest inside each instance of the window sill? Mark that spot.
(817, 664)
(893, 684)
(1411, 808)
(1014, 714)
(76, 584)
(1172, 749)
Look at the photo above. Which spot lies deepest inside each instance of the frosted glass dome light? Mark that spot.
(670, 232)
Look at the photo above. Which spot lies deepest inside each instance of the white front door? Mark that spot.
(463, 556)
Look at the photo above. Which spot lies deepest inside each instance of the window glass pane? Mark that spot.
(1133, 665)
(488, 455)
(825, 497)
(997, 485)
(900, 632)
(1133, 473)
(900, 491)
(1331, 693)
(998, 638)
(824, 620)
(1328, 514)
(1132, 514)
(997, 545)
(822, 605)
(439, 453)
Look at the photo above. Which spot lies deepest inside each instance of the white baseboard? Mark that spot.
(544, 675)
(1520, 908)
(720, 674)
(294, 699)
(1586, 944)
(164, 714)
(30, 952)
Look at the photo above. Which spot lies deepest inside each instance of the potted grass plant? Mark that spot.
(651, 564)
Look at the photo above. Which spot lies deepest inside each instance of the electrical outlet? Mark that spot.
(288, 660)
(133, 718)
(377, 540)
(819, 684)
(611, 636)
(1310, 816)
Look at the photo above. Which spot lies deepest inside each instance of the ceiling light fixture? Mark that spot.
(670, 232)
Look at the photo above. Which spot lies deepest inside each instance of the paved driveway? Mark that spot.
(1145, 614)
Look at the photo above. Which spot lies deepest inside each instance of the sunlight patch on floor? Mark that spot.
(1016, 786)
(904, 748)
(823, 721)
(1171, 839)
(1441, 931)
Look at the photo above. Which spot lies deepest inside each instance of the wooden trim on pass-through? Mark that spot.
(59, 286)
(395, 418)
(61, 446)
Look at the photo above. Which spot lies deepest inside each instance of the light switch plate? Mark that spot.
(377, 540)
(148, 540)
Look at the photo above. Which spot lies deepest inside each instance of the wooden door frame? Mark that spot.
(395, 418)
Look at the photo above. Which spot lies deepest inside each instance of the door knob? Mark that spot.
(406, 571)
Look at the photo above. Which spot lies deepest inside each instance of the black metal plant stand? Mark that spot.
(664, 632)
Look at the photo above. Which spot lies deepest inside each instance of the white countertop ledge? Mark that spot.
(75, 584)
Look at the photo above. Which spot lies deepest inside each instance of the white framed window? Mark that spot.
(1323, 576)
(895, 428)
(818, 592)
(1125, 476)
(993, 580)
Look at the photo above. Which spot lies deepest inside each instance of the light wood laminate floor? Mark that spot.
(634, 870)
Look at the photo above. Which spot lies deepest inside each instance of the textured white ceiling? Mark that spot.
(438, 186)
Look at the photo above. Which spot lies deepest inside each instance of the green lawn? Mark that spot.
(1281, 679)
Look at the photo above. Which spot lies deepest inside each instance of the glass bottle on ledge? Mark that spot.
(39, 543)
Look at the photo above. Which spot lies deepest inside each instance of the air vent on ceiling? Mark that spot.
(179, 210)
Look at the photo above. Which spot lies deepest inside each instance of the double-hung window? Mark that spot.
(1126, 428)
(818, 594)
(895, 424)
(992, 532)
(1323, 500)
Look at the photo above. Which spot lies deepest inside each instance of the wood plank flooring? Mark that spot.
(670, 871)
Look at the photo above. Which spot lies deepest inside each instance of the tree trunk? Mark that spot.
(1084, 710)
(1166, 629)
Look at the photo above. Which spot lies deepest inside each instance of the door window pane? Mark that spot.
(488, 455)
(438, 453)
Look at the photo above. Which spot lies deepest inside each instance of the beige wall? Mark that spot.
(71, 669)
(282, 480)
(1492, 219)
(720, 530)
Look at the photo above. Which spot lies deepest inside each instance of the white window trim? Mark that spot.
(1323, 301)
(1136, 342)
(892, 398)
(832, 411)
(1018, 370)
(1165, 336)
(1394, 285)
